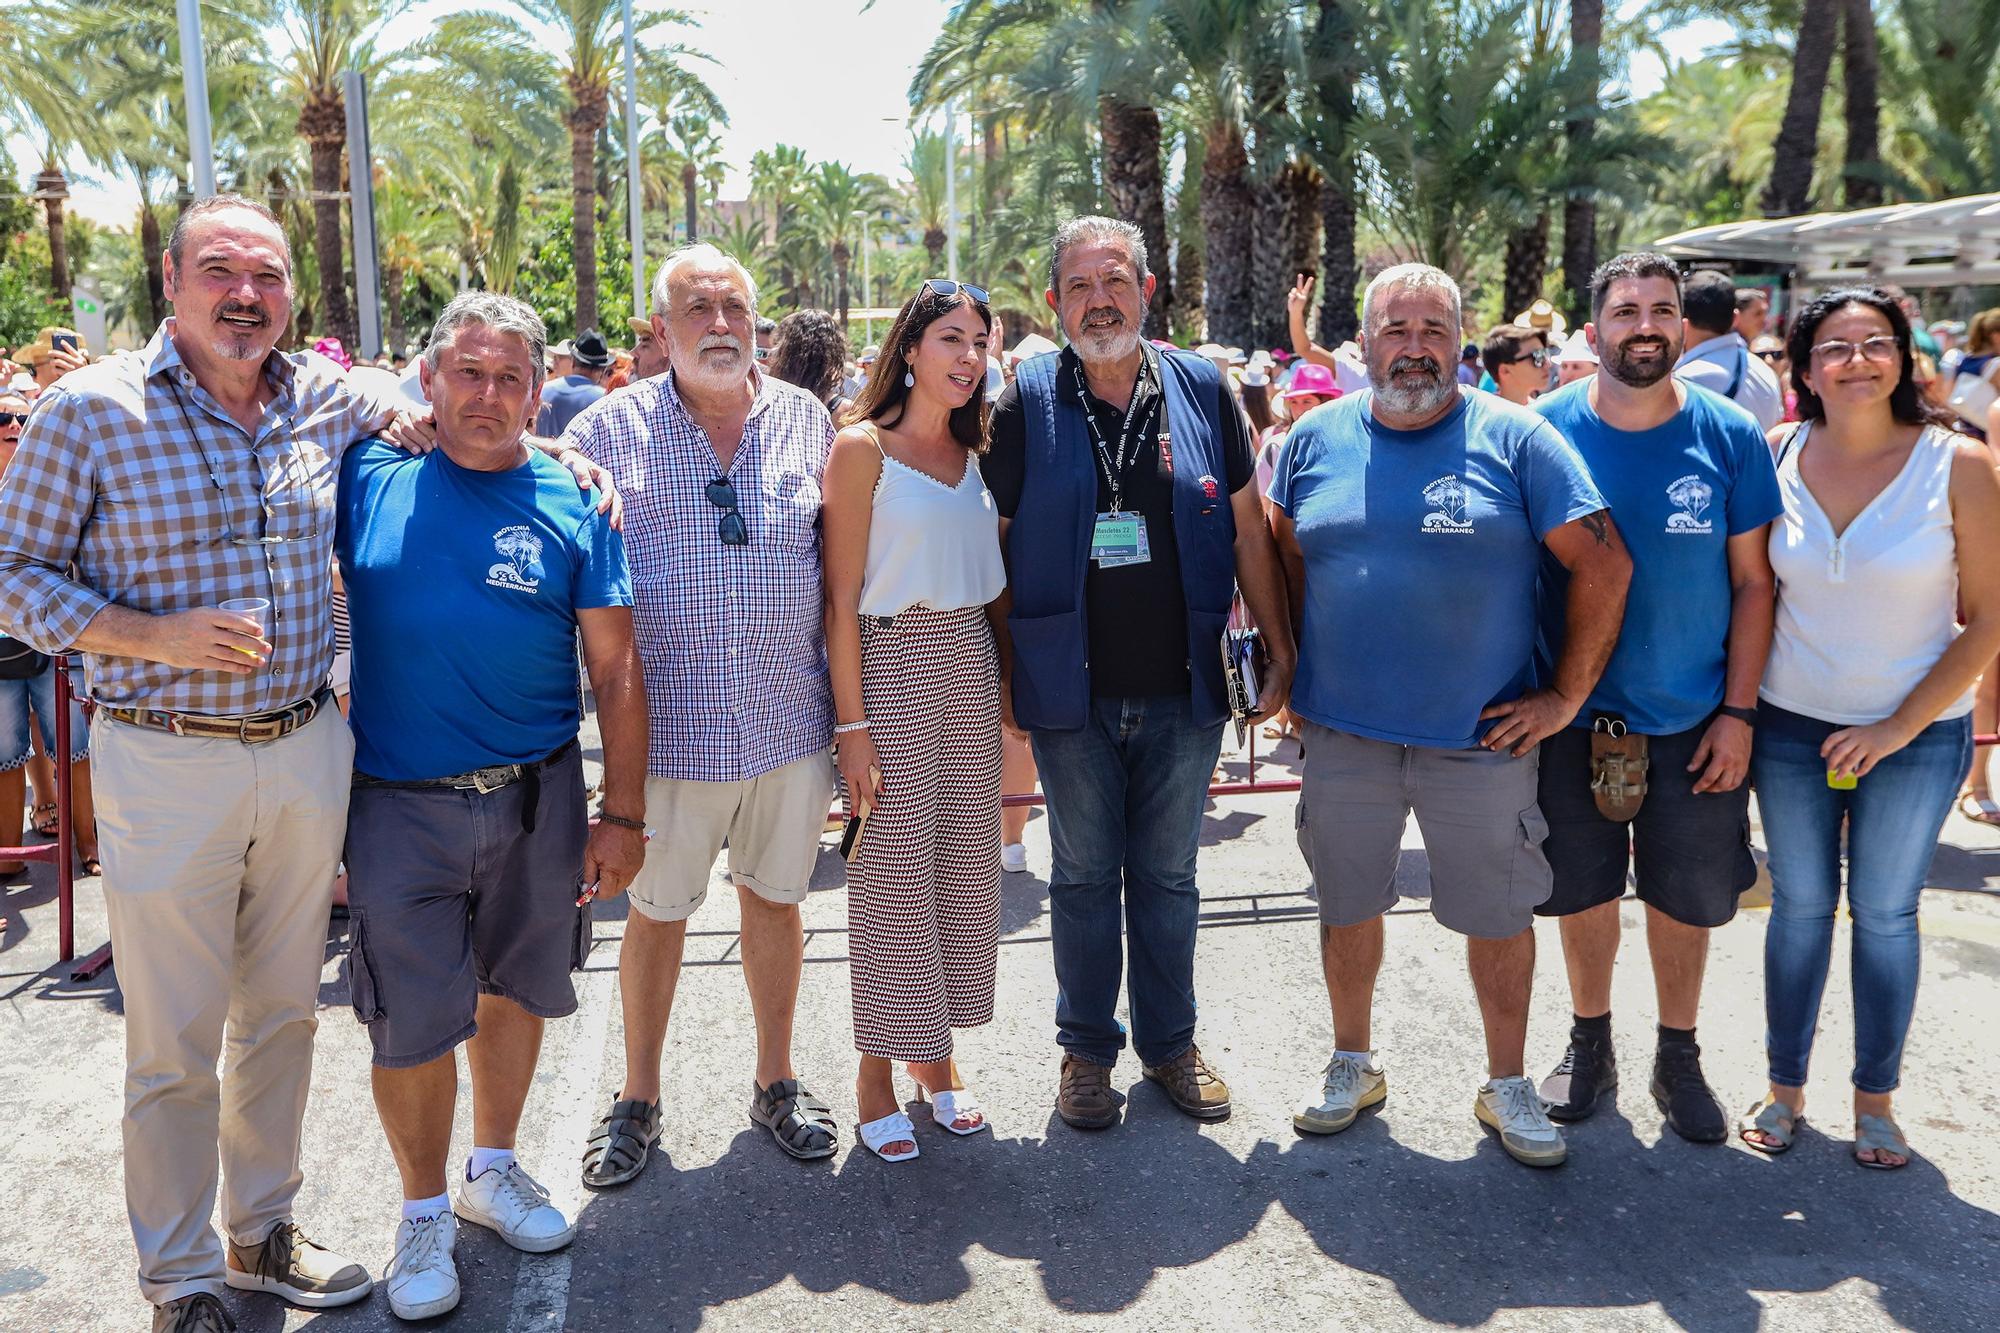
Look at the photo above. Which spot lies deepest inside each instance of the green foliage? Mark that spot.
(547, 278)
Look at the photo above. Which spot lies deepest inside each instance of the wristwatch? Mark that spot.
(1747, 716)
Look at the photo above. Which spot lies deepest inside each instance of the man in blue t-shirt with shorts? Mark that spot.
(1652, 771)
(1413, 520)
(472, 572)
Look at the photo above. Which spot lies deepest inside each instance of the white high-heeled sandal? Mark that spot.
(949, 1107)
(895, 1127)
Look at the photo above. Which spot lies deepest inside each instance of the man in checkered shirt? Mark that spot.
(147, 490)
(720, 468)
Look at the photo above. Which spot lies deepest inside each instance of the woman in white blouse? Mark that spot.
(1890, 538)
(912, 561)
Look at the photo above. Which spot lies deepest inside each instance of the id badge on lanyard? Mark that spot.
(1119, 537)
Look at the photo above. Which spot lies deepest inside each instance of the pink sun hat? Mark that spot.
(1312, 381)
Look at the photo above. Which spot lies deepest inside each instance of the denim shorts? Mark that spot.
(16, 698)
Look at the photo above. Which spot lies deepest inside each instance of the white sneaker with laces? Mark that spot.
(1350, 1087)
(509, 1200)
(423, 1277)
(1014, 857)
(1512, 1108)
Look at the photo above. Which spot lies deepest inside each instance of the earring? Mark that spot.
(909, 379)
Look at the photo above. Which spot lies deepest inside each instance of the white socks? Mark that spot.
(416, 1208)
(486, 1159)
(1366, 1059)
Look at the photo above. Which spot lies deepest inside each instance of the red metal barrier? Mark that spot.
(58, 853)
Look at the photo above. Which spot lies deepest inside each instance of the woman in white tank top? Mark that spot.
(1891, 534)
(912, 562)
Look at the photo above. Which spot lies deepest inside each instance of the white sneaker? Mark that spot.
(1350, 1087)
(423, 1277)
(508, 1200)
(1513, 1108)
(1014, 857)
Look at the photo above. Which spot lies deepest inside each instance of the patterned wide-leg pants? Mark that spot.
(923, 895)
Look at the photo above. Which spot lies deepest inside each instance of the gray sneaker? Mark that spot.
(1350, 1087)
(1512, 1108)
(199, 1313)
(291, 1265)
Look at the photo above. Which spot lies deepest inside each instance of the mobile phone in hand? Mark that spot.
(65, 342)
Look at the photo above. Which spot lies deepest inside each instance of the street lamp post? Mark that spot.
(867, 285)
(951, 191)
(635, 221)
(194, 89)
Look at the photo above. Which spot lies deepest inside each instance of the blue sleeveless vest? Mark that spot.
(1048, 542)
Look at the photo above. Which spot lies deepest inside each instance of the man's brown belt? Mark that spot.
(251, 730)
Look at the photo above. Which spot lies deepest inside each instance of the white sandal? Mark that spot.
(877, 1135)
(949, 1107)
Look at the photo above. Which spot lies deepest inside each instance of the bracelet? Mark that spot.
(846, 727)
(1747, 716)
(618, 821)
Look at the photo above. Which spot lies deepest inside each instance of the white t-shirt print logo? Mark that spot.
(1693, 496)
(520, 565)
(1447, 498)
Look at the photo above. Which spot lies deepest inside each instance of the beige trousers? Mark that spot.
(219, 860)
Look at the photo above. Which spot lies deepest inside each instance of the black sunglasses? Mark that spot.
(1769, 355)
(722, 494)
(1539, 357)
(946, 288)
(13, 418)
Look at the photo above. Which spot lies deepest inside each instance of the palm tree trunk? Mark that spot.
(149, 241)
(1138, 192)
(1527, 259)
(1863, 108)
(1296, 248)
(841, 259)
(688, 199)
(1228, 218)
(1189, 275)
(1340, 272)
(52, 187)
(392, 292)
(323, 125)
(1790, 188)
(1586, 40)
(934, 239)
(588, 109)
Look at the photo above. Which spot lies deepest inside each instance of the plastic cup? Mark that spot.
(257, 608)
(1842, 781)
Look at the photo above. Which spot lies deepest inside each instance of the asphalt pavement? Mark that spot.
(1412, 1218)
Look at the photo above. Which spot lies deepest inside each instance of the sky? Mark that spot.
(828, 76)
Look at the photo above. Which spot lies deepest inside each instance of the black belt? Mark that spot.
(484, 780)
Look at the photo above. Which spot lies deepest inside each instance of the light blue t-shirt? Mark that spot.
(463, 589)
(1421, 551)
(1678, 493)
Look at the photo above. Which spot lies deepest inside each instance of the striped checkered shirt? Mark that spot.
(731, 637)
(132, 473)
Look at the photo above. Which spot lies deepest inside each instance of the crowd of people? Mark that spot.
(1568, 621)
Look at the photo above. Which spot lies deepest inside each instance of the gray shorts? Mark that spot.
(1482, 830)
(450, 898)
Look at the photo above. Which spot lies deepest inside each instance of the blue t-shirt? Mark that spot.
(1422, 549)
(561, 400)
(1678, 493)
(463, 589)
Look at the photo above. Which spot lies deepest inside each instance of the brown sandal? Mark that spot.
(42, 818)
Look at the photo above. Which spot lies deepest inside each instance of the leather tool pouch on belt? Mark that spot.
(1618, 765)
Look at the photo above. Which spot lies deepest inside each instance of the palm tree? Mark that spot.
(413, 239)
(835, 193)
(693, 154)
(1797, 144)
(926, 163)
(590, 34)
(1579, 254)
(1333, 71)
(45, 99)
(686, 110)
(777, 177)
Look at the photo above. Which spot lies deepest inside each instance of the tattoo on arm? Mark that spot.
(1598, 526)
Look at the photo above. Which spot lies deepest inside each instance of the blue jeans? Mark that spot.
(16, 697)
(1893, 819)
(1125, 798)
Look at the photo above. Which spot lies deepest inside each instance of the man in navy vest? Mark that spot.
(1129, 514)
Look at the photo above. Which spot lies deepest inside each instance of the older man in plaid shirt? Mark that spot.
(720, 465)
(147, 491)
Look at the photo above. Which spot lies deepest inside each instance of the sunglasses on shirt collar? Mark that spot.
(722, 494)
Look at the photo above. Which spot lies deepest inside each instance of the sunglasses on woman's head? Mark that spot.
(946, 288)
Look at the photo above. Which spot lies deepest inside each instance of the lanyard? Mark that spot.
(1127, 437)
